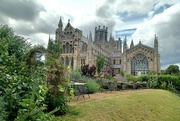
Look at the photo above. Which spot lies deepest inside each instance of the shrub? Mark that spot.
(88, 71)
(93, 86)
(76, 74)
(109, 77)
(58, 102)
(153, 84)
(130, 77)
(122, 73)
(143, 78)
(22, 89)
(57, 79)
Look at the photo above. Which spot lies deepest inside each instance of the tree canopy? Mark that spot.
(172, 69)
(100, 63)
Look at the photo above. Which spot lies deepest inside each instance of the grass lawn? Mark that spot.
(140, 105)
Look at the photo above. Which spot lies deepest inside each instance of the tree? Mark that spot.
(100, 63)
(172, 69)
(17, 45)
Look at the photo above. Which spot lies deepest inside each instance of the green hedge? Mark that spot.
(170, 82)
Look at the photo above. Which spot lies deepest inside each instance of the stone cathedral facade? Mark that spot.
(79, 50)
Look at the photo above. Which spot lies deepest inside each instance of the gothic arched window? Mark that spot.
(71, 49)
(67, 61)
(120, 61)
(114, 61)
(67, 47)
(139, 65)
(64, 49)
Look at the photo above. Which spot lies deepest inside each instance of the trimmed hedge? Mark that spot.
(170, 82)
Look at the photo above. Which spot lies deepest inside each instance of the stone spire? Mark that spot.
(60, 25)
(111, 39)
(132, 44)
(155, 41)
(125, 45)
(156, 44)
(119, 44)
(90, 42)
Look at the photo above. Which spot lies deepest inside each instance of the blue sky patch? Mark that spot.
(125, 16)
(125, 32)
(162, 8)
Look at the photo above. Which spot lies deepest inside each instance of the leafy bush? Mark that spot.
(57, 78)
(109, 77)
(22, 89)
(92, 85)
(122, 73)
(58, 102)
(169, 80)
(76, 74)
(130, 77)
(153, 84)
(143, 78)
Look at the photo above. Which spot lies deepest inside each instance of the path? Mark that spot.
(101, 95)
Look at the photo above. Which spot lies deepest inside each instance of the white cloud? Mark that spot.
(87, 14)
(166, 25)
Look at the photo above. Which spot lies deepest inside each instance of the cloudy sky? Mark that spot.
(136, 19)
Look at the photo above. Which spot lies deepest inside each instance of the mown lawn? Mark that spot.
(146, 105)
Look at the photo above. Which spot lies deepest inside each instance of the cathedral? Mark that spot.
(79, 50)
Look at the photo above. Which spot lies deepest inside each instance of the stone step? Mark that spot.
(120, 78)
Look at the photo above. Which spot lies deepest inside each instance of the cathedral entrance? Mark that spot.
(139, 65)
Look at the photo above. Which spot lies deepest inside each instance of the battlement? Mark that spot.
(101, 29)
(101, 34)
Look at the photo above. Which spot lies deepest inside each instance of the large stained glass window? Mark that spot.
(139, 65)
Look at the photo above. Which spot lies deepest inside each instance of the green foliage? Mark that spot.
(92, 85)
(3, 113)
(76, 74)
(57, 79)
(151, 73)
(54, 48)
(56, 102)
(17, 45)
(172, 69)
(109, 77)
(122, 73)
(33, 56)
(22, 89)
(143, 78)
(130, 77)
(153, 84)
(100, 63)
(23, 94)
